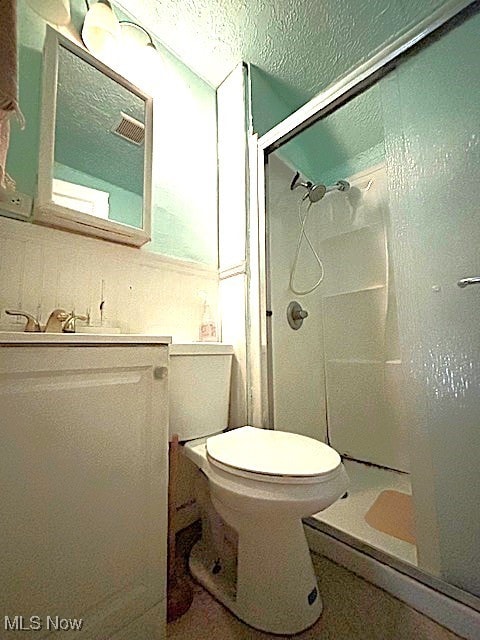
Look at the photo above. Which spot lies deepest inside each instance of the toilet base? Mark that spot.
(267, 596)
(219, 585)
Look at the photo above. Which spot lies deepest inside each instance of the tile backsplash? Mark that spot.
(42, 269)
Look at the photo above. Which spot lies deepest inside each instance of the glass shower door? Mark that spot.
(432, 124)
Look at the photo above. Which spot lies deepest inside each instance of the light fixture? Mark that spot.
(140, 58)
(54, 11)
(127, 24)
(101, 30)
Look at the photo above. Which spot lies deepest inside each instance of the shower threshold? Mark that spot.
(342, 534)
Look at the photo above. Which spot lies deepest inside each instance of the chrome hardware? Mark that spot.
(316, 192)
(69, 325)
(160, 373)
(32, 324)
(296, 315)
(55, 321)
(465, 282)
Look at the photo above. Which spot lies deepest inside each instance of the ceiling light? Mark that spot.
(130, 34)
(54, 11)
(101, 30)
(140, 59)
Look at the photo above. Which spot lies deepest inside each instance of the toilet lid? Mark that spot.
(275, 453)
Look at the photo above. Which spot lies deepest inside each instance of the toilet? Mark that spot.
(254, 488)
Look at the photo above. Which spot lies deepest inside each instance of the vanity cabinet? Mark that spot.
(83, 477)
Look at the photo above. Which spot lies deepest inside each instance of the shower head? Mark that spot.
(315, 192)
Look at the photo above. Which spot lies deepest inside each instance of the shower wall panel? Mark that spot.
(297, 356)
(365, 413)
(341, 368)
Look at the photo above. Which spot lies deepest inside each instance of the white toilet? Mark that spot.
(261, 483)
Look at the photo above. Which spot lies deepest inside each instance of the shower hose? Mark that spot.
(303, 234)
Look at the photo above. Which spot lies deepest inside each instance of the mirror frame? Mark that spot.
(45, 210)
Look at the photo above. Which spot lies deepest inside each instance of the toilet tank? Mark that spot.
(199, 389)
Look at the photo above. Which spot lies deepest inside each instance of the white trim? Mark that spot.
(256, 279)
(310, 112)
(45, 211)
(230, 272)
(450, 613)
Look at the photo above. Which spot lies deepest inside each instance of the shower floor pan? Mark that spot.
(377, 503)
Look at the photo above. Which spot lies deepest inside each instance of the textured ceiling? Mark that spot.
(303, 44)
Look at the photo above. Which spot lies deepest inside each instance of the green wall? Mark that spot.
(345, 142)
(355, 31)
(352, 138)
(184, 176)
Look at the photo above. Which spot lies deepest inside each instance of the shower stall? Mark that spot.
(338, 376)
(370, 339)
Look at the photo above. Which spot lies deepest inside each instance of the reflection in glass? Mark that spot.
(99, 144)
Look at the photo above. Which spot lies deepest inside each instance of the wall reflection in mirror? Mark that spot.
(99, 143)
(387, 363)
(95, 161)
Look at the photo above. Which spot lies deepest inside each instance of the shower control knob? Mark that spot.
(296, 315)
(160, 373)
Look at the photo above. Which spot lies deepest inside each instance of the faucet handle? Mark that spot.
(69, 326)
(32, 324)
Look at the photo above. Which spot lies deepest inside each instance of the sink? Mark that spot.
(98, 330)
(12, 338)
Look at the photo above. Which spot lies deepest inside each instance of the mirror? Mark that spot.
(95, 148)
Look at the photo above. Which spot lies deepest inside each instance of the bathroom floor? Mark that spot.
(353, 610)
(348, 515)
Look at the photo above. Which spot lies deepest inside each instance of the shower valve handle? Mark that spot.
(465, 282)
(296, 315)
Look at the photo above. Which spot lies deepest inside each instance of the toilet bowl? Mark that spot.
(261, 483)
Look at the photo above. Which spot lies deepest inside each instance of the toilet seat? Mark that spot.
(273, 456)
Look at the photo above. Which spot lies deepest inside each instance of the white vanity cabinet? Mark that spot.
(83, 486)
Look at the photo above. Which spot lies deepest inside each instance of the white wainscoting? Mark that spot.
(42, 269)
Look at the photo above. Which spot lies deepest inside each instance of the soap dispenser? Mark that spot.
(208, 327)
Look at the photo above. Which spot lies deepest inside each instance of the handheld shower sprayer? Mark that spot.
(316, 192)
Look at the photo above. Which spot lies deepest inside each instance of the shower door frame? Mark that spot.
(259, 345)
(260, 382)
